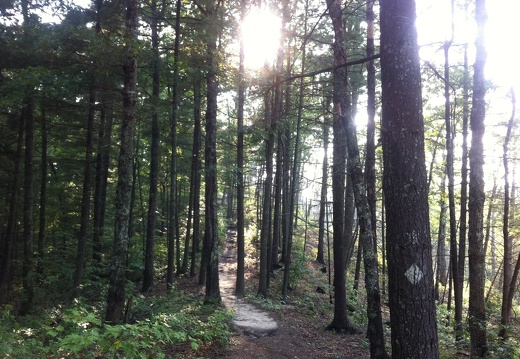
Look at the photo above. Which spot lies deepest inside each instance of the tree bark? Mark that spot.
(280, 217)
(341, 105)
(154, 152)
(286, 162)
(191, 199)
(197, 99)
(102, 164)
(461, 261)
(295, 171)
(266, 205)
(477, 196)
(370, 157)
(100, 191)
(28, 223)
(212, 293)
(324, 185)
(173, 210)
(87, 189)
(43, 191)
(409, 252)
(240, 280)
(28, 202)
(442, 273)
(375, 332)
(8, 240)
(457, 288)
(277, 210)
(508, 239)
(116, 289)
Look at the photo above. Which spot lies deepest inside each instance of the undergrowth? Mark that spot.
(157, 326)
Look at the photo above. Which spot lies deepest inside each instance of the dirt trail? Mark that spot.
(248, 318)
(286, 334)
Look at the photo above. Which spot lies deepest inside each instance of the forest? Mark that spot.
(359, 156)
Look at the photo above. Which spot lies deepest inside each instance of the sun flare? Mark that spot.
(260, 31)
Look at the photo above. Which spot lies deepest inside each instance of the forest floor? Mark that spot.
(300, 332)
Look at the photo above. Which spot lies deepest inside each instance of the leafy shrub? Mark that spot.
(445, 328)
(503, 349)
(18, 341)
(268, 304)
(298, 269)
(79, 331)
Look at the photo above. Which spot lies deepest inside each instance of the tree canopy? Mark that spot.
(369, 155)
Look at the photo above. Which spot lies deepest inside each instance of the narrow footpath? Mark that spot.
(278, 335)
(248, 318)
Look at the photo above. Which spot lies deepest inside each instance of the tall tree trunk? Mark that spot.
(277, 210)
(279, 218)
(370, 157)
(189, 215)
(286, 182)
(383, 246)
(43, 191)
(410, 273)
(508, 239)
(173, 210)
(340, 100)
(194, 182)
(87, 188)
(477, 196)
(154, 151)
(295, 181)
(375, 332)
(240, 281)
(512, 287)
(100, 192)
(266, 206)
(28, 225)
(8, 240)
(197, 100)
(116, 289)
(286, 163)
(457, 288)
(442, 273)
(28, 203)
(464, 180)
(102, 164)
(324, 185)
(211, 224)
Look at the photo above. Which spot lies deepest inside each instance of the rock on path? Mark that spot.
(248, 318)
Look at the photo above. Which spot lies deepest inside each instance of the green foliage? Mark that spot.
(497, 346)
(314, 304)
(79, 331)
(267, 303)
(445, 328)
(356, 303)
(298, 269)
(222, 228)
(503, 349)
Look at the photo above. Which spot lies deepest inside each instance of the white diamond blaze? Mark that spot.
(414, 274)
